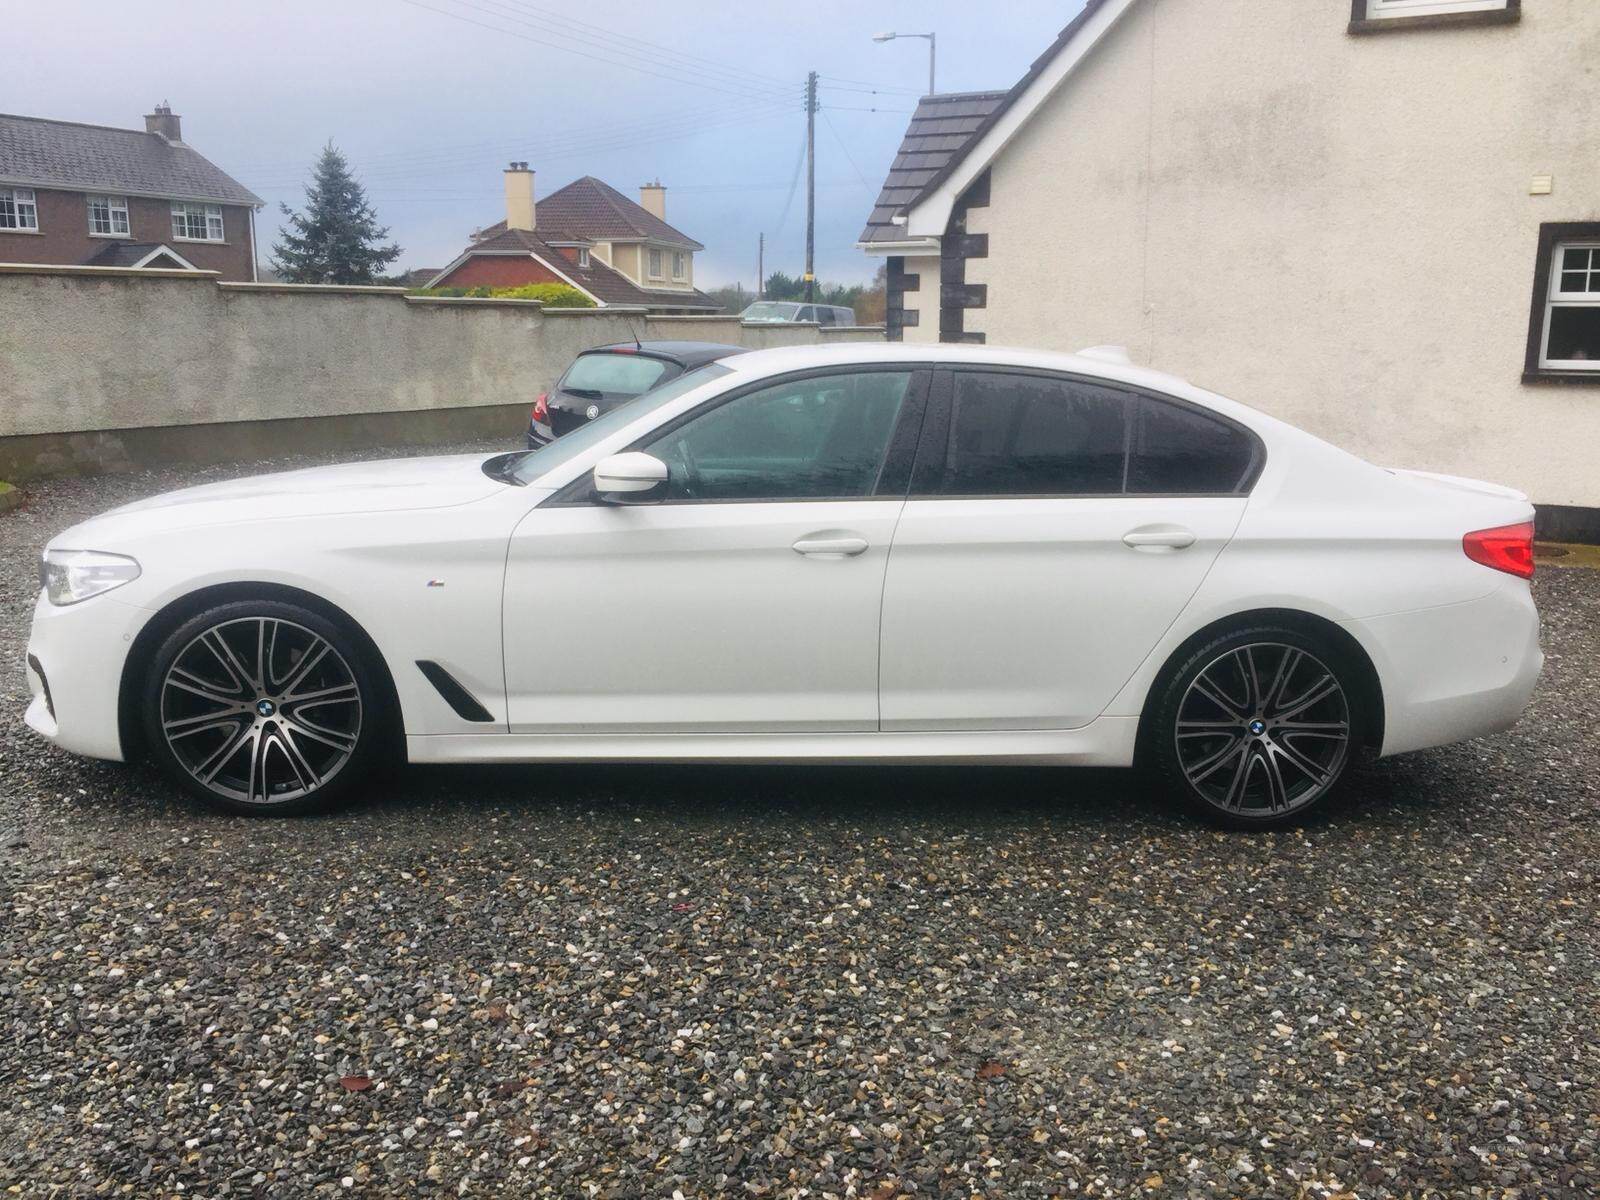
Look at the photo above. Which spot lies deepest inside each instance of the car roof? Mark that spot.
(1108, 363)
(688, 354)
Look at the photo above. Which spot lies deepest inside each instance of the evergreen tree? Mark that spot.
(337, 239)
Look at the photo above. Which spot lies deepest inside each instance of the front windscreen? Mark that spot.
(564, 449)
(612, 374)
(770, 310)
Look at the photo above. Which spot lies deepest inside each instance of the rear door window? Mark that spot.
(612, 375)
(1178, 450)
(1013, 434)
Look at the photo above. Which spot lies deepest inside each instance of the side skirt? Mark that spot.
(1107, 742)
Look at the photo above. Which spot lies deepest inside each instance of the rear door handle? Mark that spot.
(837, 546)
(1155, 537)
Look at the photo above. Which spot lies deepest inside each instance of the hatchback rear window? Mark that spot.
(614, 374)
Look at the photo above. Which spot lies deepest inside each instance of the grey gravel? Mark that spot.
(630, 982)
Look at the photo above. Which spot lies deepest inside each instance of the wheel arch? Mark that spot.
(1334, 635)
(131, 729)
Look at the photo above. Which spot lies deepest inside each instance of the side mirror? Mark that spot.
(625, 478)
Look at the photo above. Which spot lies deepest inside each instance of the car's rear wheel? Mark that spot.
(262, 707)
(1257, 727)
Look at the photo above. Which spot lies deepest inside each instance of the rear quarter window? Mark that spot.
(1180, 450)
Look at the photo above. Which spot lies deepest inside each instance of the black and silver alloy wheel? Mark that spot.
(1263, 729)
(259, 709)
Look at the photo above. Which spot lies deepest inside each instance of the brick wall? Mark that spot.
(64, 238)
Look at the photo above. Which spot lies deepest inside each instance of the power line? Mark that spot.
(851, 108)
(612, 36)
(827, 120)
(456, 151)
(670, 77)
(576, 149)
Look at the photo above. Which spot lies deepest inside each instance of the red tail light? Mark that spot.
(1508, 548)
(541, 409)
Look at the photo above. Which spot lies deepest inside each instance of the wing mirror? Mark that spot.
(629, 478)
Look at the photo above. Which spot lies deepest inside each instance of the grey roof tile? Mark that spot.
(941, 126)
(63, 154)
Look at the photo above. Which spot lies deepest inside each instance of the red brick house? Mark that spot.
(78, 195)
(587, 235)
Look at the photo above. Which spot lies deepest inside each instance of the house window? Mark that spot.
(655, 264)
(680, 264)
(18, 209)
(583, 259)
(1367, 15)
(108, 216)
(197, 222)
(1564, 332)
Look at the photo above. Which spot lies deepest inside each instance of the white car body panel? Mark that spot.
(1013, 630)
(1032, 613)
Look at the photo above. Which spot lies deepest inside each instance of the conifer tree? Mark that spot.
(337, 239)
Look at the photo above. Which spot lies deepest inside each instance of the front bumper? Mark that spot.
(75, 660)
(1456, 671)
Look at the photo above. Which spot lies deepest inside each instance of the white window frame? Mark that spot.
(653, 261)
(115, 207)
(583, 258)
(1379, 10)
(210, 219)
(680, 265)
(21, 198)
(1557, 298)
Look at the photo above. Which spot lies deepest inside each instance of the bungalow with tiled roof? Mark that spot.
(587, 235)
(75, 195)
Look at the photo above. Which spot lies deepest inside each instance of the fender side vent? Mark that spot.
(463, 702)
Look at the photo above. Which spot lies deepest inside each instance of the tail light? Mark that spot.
(541, 408)
(1507, 548)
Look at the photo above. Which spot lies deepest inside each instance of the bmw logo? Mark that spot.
(592, 411)
(266, 707)
(1258, 727)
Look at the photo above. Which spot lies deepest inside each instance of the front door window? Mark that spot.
(815, 438)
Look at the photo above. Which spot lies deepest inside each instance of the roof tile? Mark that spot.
(63, 154)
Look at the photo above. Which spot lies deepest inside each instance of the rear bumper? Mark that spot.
(1457, 671)
(75, 659)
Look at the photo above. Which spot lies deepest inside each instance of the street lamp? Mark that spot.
(889, 37)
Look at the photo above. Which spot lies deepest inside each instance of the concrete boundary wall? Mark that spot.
(104, 368)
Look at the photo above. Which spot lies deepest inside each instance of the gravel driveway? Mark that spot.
(643, 982)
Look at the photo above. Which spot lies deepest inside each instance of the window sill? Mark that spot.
(202, 241)
(29, 232)
(119, 237)
(1505, 16)
(1563, 378)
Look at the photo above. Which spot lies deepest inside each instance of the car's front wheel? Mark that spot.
(262, 707)
(1257, 727)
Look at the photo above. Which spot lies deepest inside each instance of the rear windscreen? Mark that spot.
(614, 374)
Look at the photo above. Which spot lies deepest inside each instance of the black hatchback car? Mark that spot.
(599, 380)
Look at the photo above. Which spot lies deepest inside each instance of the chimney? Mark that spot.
(653, 199)
(165, 122)
(519, 197)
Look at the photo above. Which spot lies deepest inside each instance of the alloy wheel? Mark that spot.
(1263, 730)
(260, 710)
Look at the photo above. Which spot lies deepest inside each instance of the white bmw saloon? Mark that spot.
(858, 553)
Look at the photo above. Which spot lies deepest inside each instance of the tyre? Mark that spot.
(263, 707)
(1257, 727)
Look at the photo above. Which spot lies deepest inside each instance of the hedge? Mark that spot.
(554, 295)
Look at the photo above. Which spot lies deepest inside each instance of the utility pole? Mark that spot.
(811, 186)
(761, 265)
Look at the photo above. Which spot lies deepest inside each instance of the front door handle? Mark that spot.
(831, 546)
(1159, 537)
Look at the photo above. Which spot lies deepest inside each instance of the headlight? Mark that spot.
(70, 576)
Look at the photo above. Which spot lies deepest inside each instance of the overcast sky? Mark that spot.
(429, 104)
